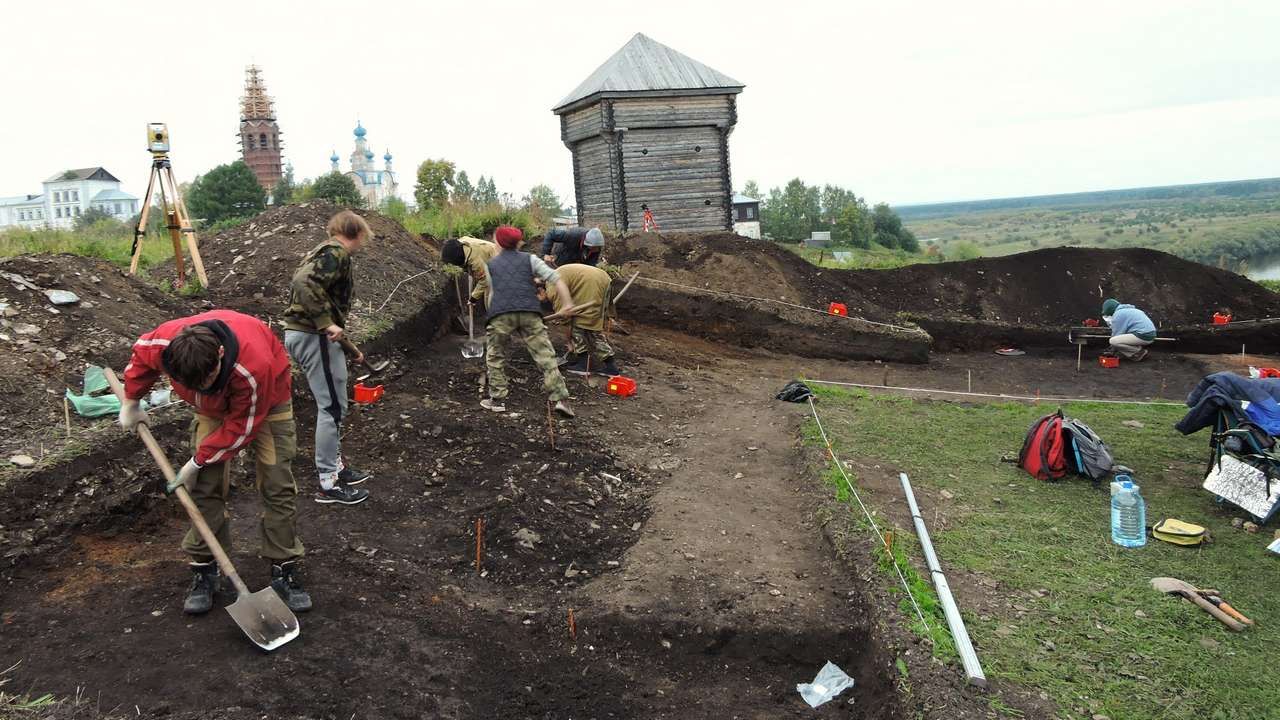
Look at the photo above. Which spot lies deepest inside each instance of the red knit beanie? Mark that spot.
(508, 236)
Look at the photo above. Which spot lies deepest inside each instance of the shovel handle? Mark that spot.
(351, 348)
(1209, 607)
(197, 520)
(1225, 607)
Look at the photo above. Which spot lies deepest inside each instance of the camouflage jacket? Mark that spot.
(321, 290)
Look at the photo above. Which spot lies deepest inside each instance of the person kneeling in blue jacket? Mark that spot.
(1131, 330)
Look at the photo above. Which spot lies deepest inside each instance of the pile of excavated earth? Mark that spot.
(659, 556)
(1025, 299)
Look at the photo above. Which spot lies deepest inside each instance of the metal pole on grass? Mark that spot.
(956, 624)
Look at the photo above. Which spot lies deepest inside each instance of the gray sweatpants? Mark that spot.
(325, 366)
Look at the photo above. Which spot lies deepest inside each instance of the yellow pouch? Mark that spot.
(1178, 532)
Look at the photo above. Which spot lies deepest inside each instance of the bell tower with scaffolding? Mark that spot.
(259, 132)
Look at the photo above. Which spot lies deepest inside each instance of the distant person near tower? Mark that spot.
(650, 225)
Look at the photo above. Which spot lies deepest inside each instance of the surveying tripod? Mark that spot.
(175, 211)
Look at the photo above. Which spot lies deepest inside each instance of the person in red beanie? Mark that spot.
(514, 309)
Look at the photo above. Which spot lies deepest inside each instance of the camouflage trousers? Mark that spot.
(529, 328)
(272, 450)
(582, 342)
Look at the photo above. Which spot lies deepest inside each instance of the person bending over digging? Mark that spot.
(590, 288)
(319, 301)
(1131, 330)
(562, 246)
(233, 371)
(471, 254)
(514, 309)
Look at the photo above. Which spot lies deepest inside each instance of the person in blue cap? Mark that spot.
(1131, 330)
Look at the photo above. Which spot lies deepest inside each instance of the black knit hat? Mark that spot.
(452, 253)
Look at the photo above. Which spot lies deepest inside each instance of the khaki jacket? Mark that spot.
(587, 284)
(478, 253)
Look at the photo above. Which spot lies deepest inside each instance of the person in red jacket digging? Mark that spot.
(234, 372)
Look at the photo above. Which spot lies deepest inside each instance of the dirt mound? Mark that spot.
(46, 346)
(250, 266)
(1045, 290)
(682, 272)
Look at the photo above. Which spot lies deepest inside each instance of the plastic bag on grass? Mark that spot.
(830, 682)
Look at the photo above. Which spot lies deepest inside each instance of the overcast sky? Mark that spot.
(917, 102)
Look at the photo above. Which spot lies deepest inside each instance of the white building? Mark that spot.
(746, 216)
(375, 185)
(66, 196)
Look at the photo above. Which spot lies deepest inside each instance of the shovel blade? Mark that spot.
(472, 349)
(265, 618)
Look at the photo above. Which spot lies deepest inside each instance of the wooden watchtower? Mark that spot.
(651, 127)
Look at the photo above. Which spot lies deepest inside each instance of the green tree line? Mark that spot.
(791, 213)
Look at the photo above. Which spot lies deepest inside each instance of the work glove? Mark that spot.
(186, 477)
(132, 415)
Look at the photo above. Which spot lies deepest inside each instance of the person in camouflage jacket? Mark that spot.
(319, 302)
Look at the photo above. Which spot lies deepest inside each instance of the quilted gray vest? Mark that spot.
(511, 280)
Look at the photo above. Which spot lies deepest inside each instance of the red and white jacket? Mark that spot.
(255, 378)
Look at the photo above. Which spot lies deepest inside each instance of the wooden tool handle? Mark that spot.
(350, 347)
(1208, 607)
(1225, 607)
(197, 520)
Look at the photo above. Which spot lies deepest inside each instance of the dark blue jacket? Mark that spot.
(1224, 391)
(568, 245)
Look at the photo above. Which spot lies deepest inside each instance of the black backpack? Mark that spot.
(1087, 455)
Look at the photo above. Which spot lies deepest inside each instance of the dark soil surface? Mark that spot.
(404, 626)
(1029, 299)
(36, 367)
(250, 266)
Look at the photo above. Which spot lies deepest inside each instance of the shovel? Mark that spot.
(354, 351)
(262, 616)
(1174, 586)
(472, 348)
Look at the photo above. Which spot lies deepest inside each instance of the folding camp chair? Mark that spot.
(1244, 466)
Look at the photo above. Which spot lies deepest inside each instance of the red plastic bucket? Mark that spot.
(621, 386)
(1221, 318)
(1109, 361)
(366, 394)
(836, 308)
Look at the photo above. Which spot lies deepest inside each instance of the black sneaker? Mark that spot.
(204, 585)
(351, 476)
(577, 367)
(609, 367)
(287, 584)
(342, 495)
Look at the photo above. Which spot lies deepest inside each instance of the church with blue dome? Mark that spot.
(374, 184)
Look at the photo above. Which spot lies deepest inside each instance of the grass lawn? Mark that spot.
(875, 258)
(112, 246)
(1070, 612)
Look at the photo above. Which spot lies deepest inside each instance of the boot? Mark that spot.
(609, 367)
(563, 408)
(287, 584)
(205, 584)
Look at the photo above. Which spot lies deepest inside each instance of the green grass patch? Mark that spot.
(113, 246)
(875, 258)
(1072, 613)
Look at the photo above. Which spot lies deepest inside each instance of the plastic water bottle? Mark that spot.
(1128, 513)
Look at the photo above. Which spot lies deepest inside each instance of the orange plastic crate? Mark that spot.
(366, 394)
(836, 308)
(621, 386)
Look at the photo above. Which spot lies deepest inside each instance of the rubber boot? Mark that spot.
(204, 585)
(286, 582)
